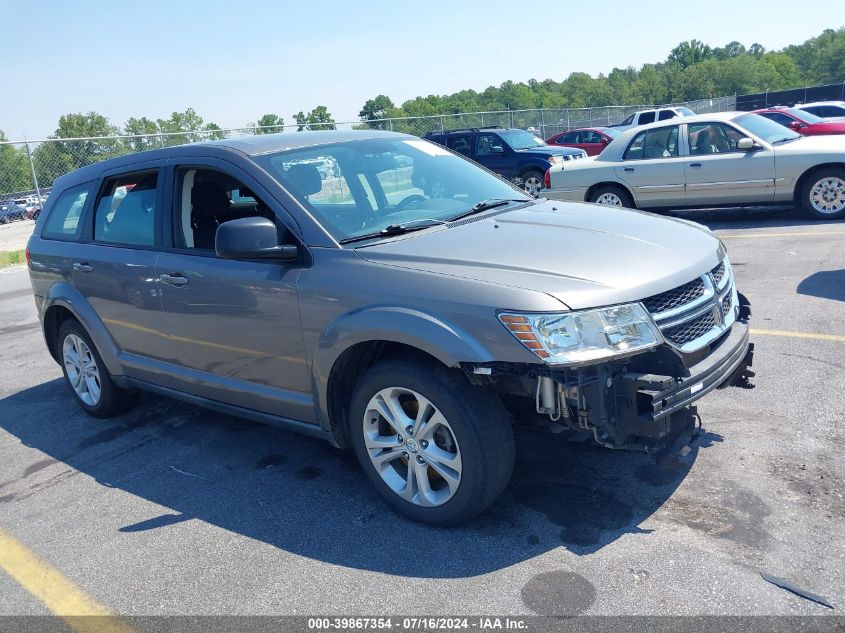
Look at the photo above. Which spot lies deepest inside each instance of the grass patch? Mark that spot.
(12, 258)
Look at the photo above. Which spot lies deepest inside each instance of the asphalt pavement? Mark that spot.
(172, 509)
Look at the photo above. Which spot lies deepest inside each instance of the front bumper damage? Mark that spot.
(645, 402)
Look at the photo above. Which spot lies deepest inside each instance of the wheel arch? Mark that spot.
(64, 302)
(356, 341)
(610, 183)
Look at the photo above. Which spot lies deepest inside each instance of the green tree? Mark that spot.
(141, 126)
(269, 124)
(187, 127)
(14, 168)
(691, 52)
(318, 119)
(376, 108)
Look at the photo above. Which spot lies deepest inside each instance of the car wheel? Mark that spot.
(437, 449)
(87, 375)
(612, 196)
(823, 195)
(533, 183)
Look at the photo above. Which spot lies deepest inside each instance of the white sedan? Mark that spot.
(723, 159)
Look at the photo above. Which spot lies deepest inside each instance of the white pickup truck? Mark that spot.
(644, 117)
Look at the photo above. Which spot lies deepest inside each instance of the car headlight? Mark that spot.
(555, 160)
(584, 336)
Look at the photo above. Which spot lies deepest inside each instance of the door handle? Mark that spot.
(695, 164)
(629, 169)
(174, 279)
(83, 267)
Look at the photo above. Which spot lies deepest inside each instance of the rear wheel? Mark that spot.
(612, 196)
(823, 194)
(86, 374)
(437, 449)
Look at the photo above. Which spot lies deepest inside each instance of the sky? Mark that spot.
(234, 61)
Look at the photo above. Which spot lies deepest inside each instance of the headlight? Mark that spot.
(555, 160)
(586, 335)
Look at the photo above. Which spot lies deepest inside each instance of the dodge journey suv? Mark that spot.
(355, 307)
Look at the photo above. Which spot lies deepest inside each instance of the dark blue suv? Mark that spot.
(513, 153)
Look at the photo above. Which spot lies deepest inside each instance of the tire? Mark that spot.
(823, 194)
(608, 193)
(111, 399)
(477, 439)
(536, 178)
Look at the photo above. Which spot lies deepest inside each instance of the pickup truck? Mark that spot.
(644, 117)
(512, 153)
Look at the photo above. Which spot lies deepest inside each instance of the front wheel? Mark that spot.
(532, 183)
(823, 194)
(437, 449)
(612, 196)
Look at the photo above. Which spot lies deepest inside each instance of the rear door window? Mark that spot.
(645, 118)
(461, 143)
(659, 143)
(666, 114)
(126, 210)
(65, 221)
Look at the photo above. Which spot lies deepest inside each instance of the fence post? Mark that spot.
(32, 170)
(543, 122)
(442, 129)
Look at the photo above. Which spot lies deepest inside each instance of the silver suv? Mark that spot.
(357, 308)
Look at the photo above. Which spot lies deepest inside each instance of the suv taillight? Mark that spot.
(547, 179)
(28, 256)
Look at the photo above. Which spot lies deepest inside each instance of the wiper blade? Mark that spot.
(490, 203)
(395, 229)
(785, 139)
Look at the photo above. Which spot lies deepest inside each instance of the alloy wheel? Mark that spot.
(82, 371)
(533, 185)
(610, 199)
(412, 446)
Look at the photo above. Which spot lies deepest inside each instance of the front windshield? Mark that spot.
(520, 139)
(803, 115)
(766, 129)
(358, 188)
(609, 131)
(686, 112)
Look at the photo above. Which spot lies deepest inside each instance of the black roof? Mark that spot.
(247, 145)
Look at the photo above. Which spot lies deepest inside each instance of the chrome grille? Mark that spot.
(697, 312)
(718, 273)
(676, 297)
(691, 330)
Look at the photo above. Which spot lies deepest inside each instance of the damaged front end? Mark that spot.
(643, 401)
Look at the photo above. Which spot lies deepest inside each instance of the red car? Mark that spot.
(591, 139)
(802, 122)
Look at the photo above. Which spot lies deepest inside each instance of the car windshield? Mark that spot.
(766, 129)
(803, 115)
(520, 139)
(362, 187)
(609, 131)
(685, 112)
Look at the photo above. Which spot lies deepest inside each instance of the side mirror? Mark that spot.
(795, 125)
(251, 238)
(745, 144)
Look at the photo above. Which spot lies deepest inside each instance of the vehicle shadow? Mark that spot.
(308, 498)
(746, 217)
(826, 284)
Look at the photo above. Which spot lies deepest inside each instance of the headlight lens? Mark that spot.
(586, 335)
(555, 160)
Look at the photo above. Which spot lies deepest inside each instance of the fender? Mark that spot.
(446, 342)
(65, 295)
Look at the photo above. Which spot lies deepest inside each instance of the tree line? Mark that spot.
(693, 70)
(92, 137)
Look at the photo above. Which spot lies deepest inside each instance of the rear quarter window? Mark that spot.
(66, 217)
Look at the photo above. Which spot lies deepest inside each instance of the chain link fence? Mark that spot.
(28, 168)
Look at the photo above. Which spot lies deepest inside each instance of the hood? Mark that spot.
(834, 143)
(551, 150)
(584, 255)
